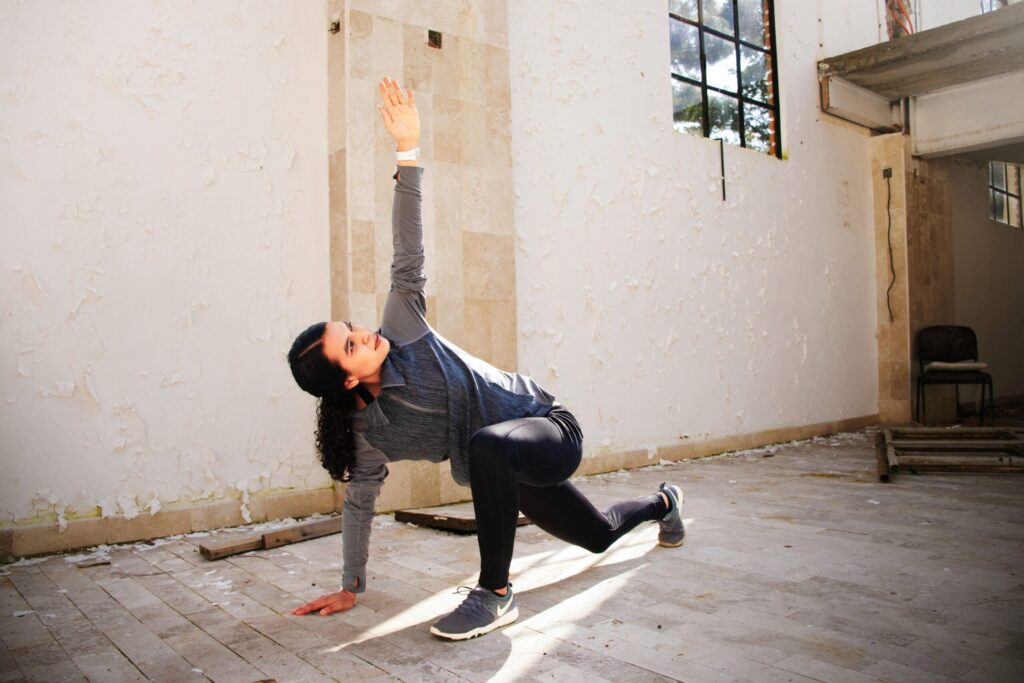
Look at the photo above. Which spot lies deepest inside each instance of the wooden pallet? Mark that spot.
(927, 449)
(458, 518)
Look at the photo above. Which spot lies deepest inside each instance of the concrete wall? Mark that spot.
(988, 267)
(164, 222)
(659, 313)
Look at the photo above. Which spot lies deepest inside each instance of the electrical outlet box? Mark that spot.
(887, 173)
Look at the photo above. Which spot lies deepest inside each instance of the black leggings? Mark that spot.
(525, 464)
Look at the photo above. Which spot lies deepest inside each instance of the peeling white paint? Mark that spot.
(165, 231)
(683, 313)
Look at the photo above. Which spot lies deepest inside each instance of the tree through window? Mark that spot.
(724, 75)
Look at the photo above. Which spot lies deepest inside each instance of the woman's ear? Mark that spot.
(351, 383)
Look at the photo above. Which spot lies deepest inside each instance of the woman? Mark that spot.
(404, 392)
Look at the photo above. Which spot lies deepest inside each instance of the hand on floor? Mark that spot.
(329, 604)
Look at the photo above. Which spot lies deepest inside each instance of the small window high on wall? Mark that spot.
(1004, 193)
(724, 76)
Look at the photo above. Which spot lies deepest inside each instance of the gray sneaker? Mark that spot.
(481, 612)
(671, 530)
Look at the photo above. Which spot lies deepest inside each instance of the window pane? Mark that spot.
(755, 78)
(718, 15)
(999, 202)
(721, 56)
(723, 112)
(1014, 211)
(687, 112)
(752, 25)
(998, 173)
(758, 128)
(1013, 179)
(685, 49)
(684, 8)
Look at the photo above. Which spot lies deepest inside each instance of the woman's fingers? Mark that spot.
(309, 606)
(391, 94)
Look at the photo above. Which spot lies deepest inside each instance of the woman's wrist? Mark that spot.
(406, 145)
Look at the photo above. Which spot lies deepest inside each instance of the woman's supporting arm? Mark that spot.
(356, 518)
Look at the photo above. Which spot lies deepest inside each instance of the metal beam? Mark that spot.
(973, 116)
(853, 103)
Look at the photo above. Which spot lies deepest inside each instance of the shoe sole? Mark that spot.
(669, 544)
(503, 620)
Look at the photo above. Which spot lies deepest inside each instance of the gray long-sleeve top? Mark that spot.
(434, 395)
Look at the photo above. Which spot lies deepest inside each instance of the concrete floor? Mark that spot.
(799, 566)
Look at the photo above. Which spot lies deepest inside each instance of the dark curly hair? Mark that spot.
(325, 380)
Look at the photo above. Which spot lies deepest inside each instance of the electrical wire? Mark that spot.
(905, 13)
(892, 265)
(899, 20)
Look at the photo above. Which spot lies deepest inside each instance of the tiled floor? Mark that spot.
(798, 566)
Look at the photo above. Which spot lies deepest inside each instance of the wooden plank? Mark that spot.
(458, 518)
(881, 452)
(215, 550)
(946, 444)
(890, 452)
(975, 468)
(966, 460)
(295, 533)
(958, 433)
(302, 532)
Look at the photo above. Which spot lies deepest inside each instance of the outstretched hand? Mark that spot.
(399, 113)
(328, 604)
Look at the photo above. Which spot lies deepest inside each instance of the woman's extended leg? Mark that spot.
(564, 512)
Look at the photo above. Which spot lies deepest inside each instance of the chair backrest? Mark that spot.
(946, 343)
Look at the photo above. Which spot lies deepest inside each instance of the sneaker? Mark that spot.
(672, 531)
(481, 612)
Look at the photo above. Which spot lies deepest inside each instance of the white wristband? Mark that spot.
(409, 155)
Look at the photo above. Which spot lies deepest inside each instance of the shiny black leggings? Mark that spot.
(525, 465)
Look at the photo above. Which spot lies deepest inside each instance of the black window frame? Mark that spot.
(771, 62)
(1007, 194)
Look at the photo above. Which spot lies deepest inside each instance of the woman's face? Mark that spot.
(358, 350)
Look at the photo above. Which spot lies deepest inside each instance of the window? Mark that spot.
(1004, 193)
(724, 77)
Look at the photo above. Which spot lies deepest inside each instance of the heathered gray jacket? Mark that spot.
(434, 396)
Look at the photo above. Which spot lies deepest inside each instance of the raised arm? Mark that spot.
(404, 319)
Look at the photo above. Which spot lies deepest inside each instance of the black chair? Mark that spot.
(948, 354)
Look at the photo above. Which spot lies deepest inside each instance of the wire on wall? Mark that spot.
(887, 174)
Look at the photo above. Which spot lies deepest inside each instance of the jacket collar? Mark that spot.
(390, 377)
